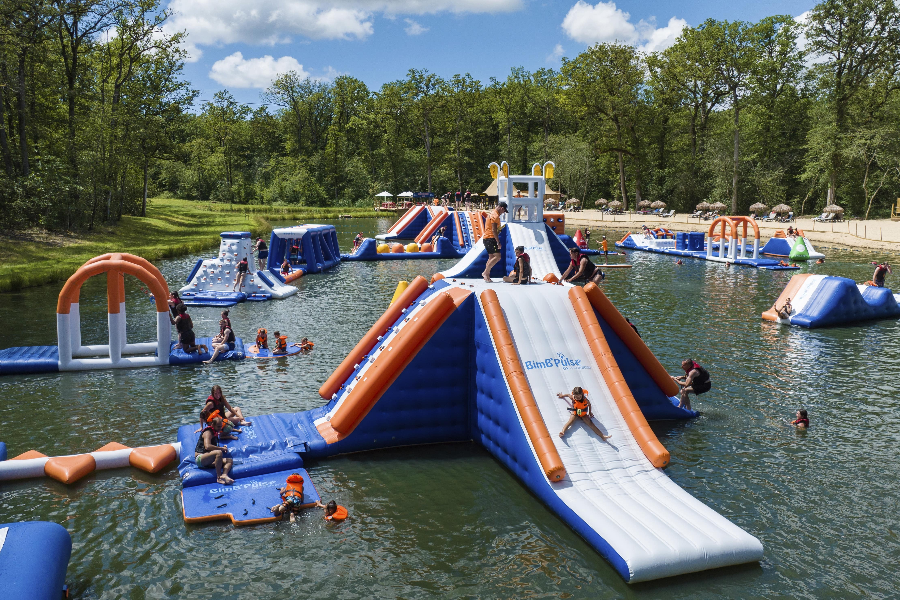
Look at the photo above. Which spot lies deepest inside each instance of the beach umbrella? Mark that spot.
(658, 204)
(615, 204)
(717, 206)
(833, 208)
(384, 195)
(782, 208)
(600, 202)
(759, 207)
(643, 203)
(703, 206)
(405, 195)
(573, 201)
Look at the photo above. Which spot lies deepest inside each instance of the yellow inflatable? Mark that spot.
(382, 248)
(413, 247)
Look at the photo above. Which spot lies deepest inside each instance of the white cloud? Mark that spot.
(604, 22)
(269, 22)
(237, 72)
(414, 28)
(557, 54)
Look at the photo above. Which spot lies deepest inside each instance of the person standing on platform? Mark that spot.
(492, 239)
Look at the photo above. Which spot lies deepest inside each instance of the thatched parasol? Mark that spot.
(703, 206)
(759, 207)
(833, 208)
(573, 201)
(601, 202)
(615, 204)
(717, 206)
(643, 204)
(782, 208)
(658, 204)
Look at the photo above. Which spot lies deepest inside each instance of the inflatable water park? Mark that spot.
(823, 301)
(292, 253)
(729, 244)
(492, 357)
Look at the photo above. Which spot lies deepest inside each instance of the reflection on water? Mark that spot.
(448, 520)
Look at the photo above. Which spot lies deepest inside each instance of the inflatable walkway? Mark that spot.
(822, 301)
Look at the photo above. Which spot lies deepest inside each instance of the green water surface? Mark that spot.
(448, 520)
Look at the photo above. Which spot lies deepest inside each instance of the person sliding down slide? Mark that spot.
(581, 409)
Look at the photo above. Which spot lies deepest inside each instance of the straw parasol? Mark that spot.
(615, 204)
(658, 204)
(758, 207)
(833, 208)
(643, 204)
(717, 206)
(782, 208)
(600, 202)
(703, 206)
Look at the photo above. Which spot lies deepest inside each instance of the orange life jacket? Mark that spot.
(292, 493)
(339, 515)
(307, 346)
(262, 339)
(280, 345)
(581, 407)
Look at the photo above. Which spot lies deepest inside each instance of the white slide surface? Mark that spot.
(534, 237)
(658, 529)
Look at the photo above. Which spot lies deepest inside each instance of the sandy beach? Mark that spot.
(882, 234)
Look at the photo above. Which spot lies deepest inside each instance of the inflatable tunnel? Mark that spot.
(308, 248)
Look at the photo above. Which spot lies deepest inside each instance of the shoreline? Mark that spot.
(851, 233)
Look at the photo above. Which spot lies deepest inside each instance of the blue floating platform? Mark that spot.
(34, 558)
(253, 351)
(247, 502)
(180, 357)
(29, 359)
(214, 298)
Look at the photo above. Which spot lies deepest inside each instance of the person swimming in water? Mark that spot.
(802, 420)
(581, 409)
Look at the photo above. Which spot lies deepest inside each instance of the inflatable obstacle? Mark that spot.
(71, 355)
(306, 248)
(729, 244)
(794, 247)
(212, 281)
(822, 301)
(34, 557)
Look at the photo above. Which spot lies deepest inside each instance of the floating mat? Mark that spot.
(253, 351)
(34, 557)
(180, 357)
(29, 359)
(270, 444)
(247, 502)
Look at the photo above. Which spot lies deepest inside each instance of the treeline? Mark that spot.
(775, 111)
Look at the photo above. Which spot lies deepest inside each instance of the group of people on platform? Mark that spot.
(187, 339)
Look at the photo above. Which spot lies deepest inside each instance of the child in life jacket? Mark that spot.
(280, 343)
(228, 428)
(262, 339)
(306, 345)
(333, 511)
(285, 267)
(291, 497)
(521, 273)
(581, 409)
(802, 420)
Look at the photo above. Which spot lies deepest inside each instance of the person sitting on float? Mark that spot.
(785, 311)
(216, 401)
(262, 339)
(521, 272)
(226, 341)
(695, 380)
(580, 409)
(185, 328)
(280, 344)
(583, 268)
(208, 453)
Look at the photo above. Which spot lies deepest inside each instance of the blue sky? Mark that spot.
(241, 46)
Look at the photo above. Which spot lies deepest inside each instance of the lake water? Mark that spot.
(448, 520)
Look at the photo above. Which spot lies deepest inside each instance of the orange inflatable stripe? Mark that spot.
(615, 381)
(69, 469)
(459, 233)
(115, 291)
(521, 391)
(294, 276)
(437, 277)
(72, 288)
(433, 225)
(340, 375)
(29, 455)
(138, 260)
(790, 291)
(477, 225)
(625, 237)
(111, 447)
(387, 367)
(398, 221)
(152, 458)
(631, 339)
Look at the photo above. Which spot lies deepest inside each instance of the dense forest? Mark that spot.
(95, 116)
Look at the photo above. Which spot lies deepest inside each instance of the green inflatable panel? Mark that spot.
(799, 251)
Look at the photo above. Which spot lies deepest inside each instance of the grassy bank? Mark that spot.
(171, 228)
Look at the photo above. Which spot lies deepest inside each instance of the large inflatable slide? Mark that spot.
(490, 358)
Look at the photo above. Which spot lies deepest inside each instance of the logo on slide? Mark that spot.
(561, 361)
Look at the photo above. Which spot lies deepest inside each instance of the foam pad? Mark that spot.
(253, 351)
(270, 444)
(180, 357)
(247, 502)
(34, 557)
(29, 359)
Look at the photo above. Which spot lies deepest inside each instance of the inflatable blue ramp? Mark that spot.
(247, 502)
(34, 558)
(823, 301)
